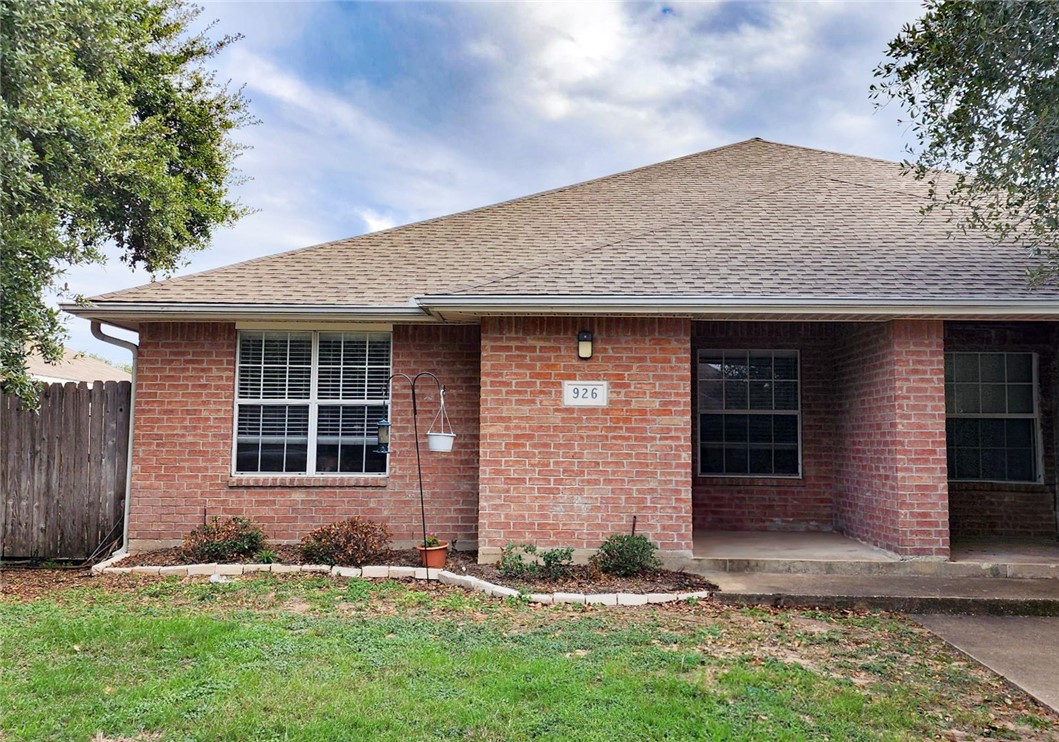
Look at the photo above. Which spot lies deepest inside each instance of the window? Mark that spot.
(308, 402)
(748, 413)
(991, 426)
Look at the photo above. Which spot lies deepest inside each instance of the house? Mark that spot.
(75, 367)
(758, 337)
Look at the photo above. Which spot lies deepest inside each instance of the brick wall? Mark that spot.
(570, 476)
(776, 503)
(890, 469)
(183, 440)
(995, 509)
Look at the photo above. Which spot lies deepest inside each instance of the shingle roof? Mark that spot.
(75, 367)
(753, 219)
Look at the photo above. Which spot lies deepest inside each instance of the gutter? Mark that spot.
(97, 332)
(127, 314)
(712, 305)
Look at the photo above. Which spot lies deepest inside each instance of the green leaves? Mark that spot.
(112, 131)
(980, 82)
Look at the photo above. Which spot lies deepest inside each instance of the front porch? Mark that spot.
(892, 441)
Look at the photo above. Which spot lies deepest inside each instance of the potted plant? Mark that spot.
(433, 552)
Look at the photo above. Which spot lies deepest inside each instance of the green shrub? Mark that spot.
(555, 563)
(224, 540)
(353, 542)
(547, 564)
(512, 562)
(625, 556)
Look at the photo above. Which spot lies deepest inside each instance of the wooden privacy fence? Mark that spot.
(63, 469)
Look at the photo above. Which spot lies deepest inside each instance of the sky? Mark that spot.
(379, 114)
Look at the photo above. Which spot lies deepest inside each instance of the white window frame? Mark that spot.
(313, 402)
(1038, 442)
(699, 412)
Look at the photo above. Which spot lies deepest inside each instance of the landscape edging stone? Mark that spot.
(380, 572)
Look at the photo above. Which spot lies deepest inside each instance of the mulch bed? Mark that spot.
(29, 584)
(285, 553)
(582, 579)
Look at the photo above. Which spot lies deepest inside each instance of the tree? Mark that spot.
(112, 132)
(980, 82)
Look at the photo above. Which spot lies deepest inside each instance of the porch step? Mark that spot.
(894, 567)
(903, 594)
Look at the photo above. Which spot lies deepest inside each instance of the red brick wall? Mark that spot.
(775, 503)
(182, 439)
(994, 509)
(183, 443)
(890, 469)
(570, 476)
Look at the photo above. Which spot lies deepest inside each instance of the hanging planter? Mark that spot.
(441, 439)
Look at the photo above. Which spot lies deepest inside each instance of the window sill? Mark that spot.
(750, 480)
(302, 480)
(990, 485)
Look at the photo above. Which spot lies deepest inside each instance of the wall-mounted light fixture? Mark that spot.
(584, 344)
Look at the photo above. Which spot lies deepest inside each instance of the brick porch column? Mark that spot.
(922, 471)
(891, 473)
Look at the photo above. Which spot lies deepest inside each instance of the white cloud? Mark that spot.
(376, 222)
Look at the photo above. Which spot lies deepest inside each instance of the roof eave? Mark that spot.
(131, 314)
(451, 305)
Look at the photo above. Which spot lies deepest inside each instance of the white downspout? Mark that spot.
(97, 332)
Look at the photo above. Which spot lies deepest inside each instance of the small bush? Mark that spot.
(555, 563)
(625, 556)
(512, 562)
(224, 540)
(547, 564)
(353, 543)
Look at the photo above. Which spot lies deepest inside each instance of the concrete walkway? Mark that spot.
(966, 595)
(1023, 649)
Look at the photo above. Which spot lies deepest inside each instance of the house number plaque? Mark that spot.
(585, 393)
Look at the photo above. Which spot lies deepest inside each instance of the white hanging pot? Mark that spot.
(440, 441)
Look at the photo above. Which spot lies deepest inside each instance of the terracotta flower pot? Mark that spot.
(434, 556)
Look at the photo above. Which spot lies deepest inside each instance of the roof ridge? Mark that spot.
(433, 219)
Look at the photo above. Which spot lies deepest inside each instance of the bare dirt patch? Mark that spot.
(32, 583)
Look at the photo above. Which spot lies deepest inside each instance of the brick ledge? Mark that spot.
(244, 482)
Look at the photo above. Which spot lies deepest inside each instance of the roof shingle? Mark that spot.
(753, 219)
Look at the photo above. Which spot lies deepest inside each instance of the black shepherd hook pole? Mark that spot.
(415, 431)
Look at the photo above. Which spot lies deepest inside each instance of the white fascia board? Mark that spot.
(126, 313)
(897, 307)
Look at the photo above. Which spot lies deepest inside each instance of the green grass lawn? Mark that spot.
(302, 658)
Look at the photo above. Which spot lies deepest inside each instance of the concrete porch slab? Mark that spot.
(1005, 550)
(797, 553)
(760, 545)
